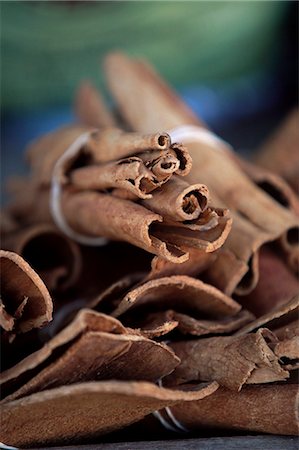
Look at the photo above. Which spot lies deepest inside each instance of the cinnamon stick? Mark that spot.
(86, 410)
(270, 408)
(210, 157)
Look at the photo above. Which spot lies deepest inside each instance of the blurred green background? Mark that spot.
(234, 62)
(48, 47)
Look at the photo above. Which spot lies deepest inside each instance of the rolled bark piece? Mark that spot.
(179, 201)
(87, 410)
(280, 152)
(114, 223)
(161, 164)
(86, 320)
(90, 107)
(189, 325)
(25, 300)
(231, 361)
(180, 292)
(129, 174)
(82, 352)
(197, 235)
(264, 409)
(58, 263)
(276, 285)
(210, 156)
(102, 146)
(113, 143)
(98, 355)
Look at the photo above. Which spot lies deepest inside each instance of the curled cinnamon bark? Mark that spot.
(25, 300)
(210, 156)
(58, 263)
(129, 174)
(180, 292)
(113, 143)
(231, 361)
(189, 325)
(86, 410)
(179, 201)
(86, 320)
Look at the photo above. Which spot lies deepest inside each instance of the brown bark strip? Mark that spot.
(180, 292)
(161, 164)
(58, 264)
(189, 325)
(111, 144)
(263, 409)
(233, 187)
(231, 361)
(208, 240)
(86, 410)
(24, 296)
(98, 355)
(86, 320)
(114, 223)
(90, 107)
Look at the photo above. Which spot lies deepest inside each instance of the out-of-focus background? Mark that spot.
(235, 63)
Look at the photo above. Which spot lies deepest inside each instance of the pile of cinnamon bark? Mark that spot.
(149, 275)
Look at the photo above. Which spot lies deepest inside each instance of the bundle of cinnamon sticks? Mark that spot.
(147, 272)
